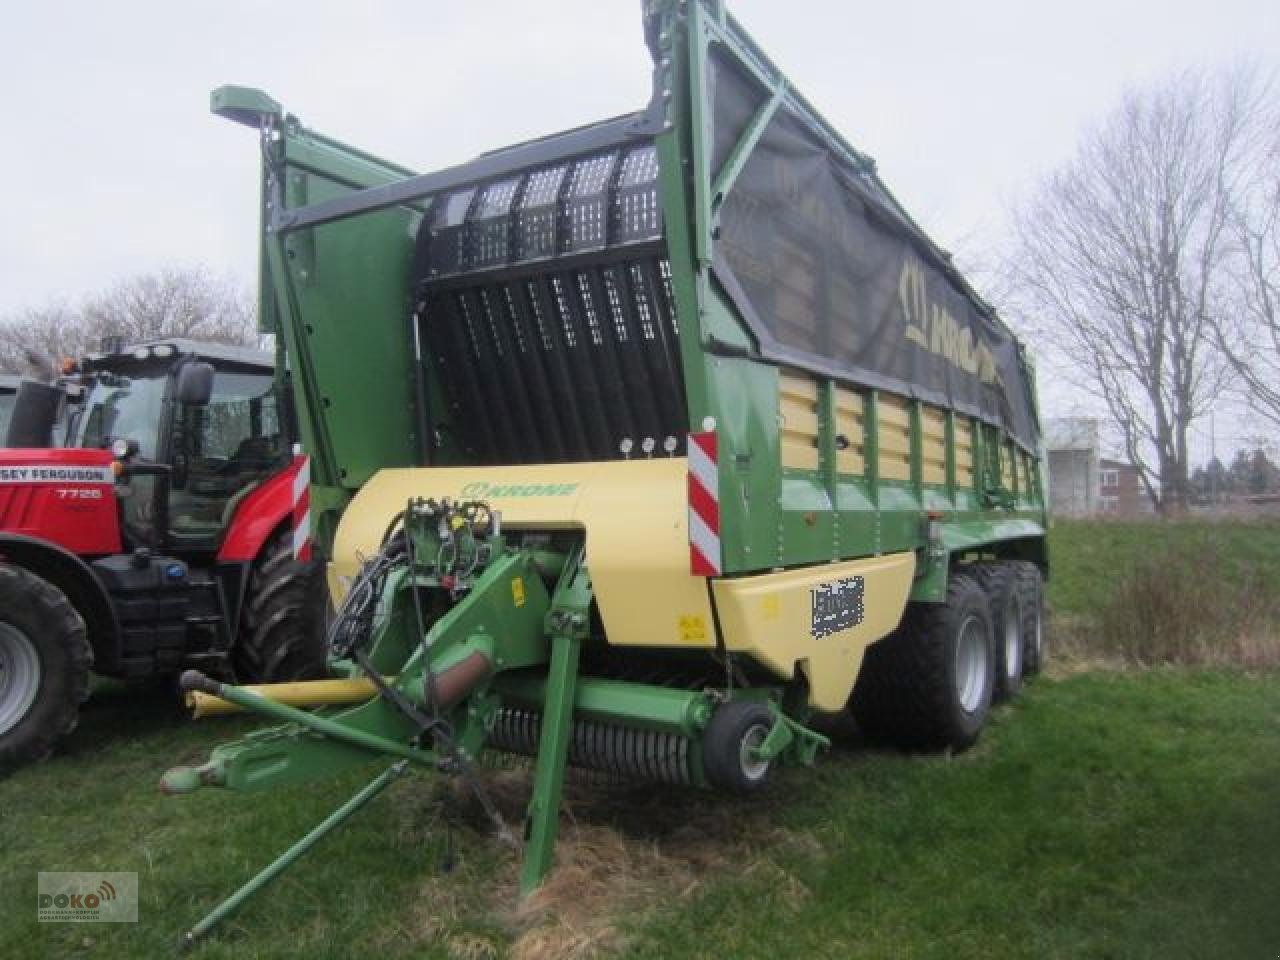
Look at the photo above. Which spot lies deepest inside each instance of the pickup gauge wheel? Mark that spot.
(736, 730)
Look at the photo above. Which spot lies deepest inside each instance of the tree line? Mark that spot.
(1251, 474)
(188, 302)
(1149, 264)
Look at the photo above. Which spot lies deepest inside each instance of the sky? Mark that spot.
(114, 165)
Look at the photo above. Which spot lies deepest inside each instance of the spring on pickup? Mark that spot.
(626, 752)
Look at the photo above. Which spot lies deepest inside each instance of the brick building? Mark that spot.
(1120, 490)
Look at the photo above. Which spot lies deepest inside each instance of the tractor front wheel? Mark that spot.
(44, 666)
(282, 635)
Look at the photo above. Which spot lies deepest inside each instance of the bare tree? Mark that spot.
(54, 330)
(170, 302)
(1120, 259)
(1248, 333)
(173, 302)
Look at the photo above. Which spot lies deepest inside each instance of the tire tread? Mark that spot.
(281, 629)
(903, 693)
(998, 579)
(56, 620)
(1031, 583)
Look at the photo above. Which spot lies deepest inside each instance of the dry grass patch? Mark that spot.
(1181, 608)
(1074, 647)
(623, 851)
(1190, 592)
(1184, 605)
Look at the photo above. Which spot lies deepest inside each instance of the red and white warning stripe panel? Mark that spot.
(704, 505)
(302, 507)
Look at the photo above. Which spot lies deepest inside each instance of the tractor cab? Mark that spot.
(196, 428)
(152, 517)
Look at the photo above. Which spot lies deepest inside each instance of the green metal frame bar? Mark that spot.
(788, 738)
(915, 419)
(293, 854)
(567, 621)
(553, 754)
(871, 445)
(979, 456)
(698, 31)
(683, 712)
(321, 724)
(950, 441)
(324, 464)
(827, 455)
(729, 32)
(677, 194)
(737, 159)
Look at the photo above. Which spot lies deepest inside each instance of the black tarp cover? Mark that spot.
(831, 280)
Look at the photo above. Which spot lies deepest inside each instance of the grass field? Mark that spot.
(1086, 555)
(1116, 813)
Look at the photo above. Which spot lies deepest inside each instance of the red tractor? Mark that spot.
(169, 531)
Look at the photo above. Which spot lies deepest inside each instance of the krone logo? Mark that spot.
(480, 489)
(931, 326)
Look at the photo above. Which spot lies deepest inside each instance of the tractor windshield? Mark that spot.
(127, 408)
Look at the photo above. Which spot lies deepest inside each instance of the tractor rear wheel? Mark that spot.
(928, 685)
(44, 666)
(282, 636)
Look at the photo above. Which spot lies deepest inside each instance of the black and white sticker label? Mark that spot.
(838, 606)
(49, 473)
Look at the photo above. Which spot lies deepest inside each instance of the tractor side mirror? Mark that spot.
(195, 384)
